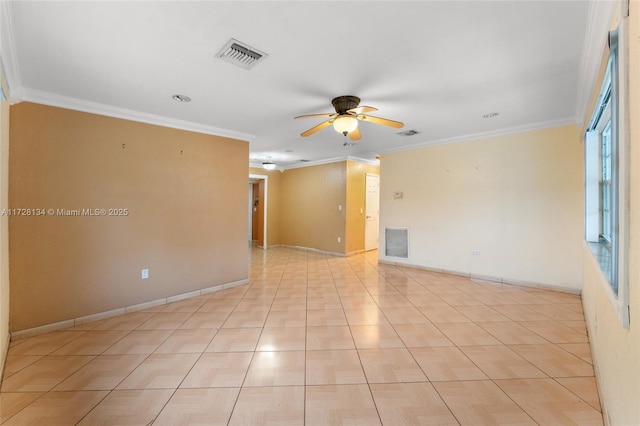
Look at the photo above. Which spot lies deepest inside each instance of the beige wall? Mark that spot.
(4, 232)
(616, 349)
(356, 195)
(302, 206)
(309, 215)
(273, 204)
(187, 222)
(516, 198)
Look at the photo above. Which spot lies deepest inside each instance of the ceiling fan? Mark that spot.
(345, 119)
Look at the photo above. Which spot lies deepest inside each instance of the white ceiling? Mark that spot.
(438, 66)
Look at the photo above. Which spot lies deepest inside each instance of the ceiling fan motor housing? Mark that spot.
(345, 119)
(342, 104)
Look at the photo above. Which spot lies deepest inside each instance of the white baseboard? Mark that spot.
(493, 279)
(328, 253)
(5, 351)
(121, 311)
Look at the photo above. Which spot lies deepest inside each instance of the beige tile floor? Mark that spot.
(317, 340)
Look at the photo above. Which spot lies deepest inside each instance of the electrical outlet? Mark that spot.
(144, 274)
(339, 207)
(339, 239)
(475, 252)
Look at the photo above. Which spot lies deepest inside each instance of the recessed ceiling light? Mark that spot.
(490, 115)
(181, 98)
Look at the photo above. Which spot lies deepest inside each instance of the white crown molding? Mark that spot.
(455, 139)
(51, 99)
(319, 162)
(331, 160)
(364, 160)
(483, 135)
(595, 40)
(17, 93)
(8, 55)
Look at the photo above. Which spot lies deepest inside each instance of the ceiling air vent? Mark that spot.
(409, 133)
(240, 54)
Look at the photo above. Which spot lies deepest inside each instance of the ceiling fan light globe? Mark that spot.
(268, 165)
(345, 124)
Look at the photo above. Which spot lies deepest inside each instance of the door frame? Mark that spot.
(264, 205)
(365, 211)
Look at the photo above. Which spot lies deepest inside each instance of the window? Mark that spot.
(600, 171)
(606, 201)
(606, 156)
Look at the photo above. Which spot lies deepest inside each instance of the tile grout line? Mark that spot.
(255, 349)
(360, 268)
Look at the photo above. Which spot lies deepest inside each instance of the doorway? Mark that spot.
(258, 185)
(372, 207)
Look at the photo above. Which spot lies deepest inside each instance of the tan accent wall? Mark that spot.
(273, 203)
(356, 196)
(4, 232)
(517, 199)
(615, 349)
(302, 206)
(186, 195)
(309, 215)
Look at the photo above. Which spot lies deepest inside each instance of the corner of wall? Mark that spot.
(4, 233)
(313, 208)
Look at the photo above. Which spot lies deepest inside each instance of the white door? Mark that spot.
(372, 210)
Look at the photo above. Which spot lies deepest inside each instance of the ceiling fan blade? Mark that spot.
(317, 128)
(378, 120)
(354, 135)
(361, 109)
(328, 114)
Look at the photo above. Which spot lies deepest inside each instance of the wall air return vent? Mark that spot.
(396, 242)
(240, 54)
